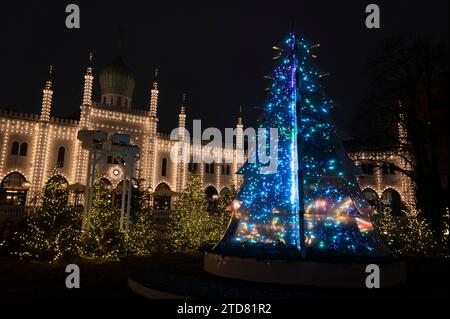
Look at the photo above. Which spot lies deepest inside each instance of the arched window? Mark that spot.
(228, 169)
(23, 149)
(364, 168)
(61, 155)
(212, 196)
(385, 169)
(13, 190)
(15, 148)
(211, 168)
(392, 202)
(391, 169)
(206, 168)
(162, 197)
(371, 197)
(192, 167)
(164, 167)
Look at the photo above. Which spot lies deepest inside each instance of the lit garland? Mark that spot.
(337, 217)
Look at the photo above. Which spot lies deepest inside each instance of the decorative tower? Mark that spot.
(181, 165)
(151, 141)
(182, 118)
(47, 98)
(88, 79)
(154, 96)
(80, 169)
(239, 155)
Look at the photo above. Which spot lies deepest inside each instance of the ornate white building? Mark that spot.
(33, 145)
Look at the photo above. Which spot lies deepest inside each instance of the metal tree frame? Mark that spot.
(118, 145)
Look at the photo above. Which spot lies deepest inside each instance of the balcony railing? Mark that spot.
(17, 214)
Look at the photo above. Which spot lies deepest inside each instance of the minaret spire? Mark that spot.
(154, 96)
(181, 170)
(88, 80)
(182, 115)
(239, 154)
(183, 104)
(47, 98)
(240, 115)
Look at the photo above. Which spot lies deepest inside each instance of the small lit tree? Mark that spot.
(189, 224)
(103, 239)
(53, 231)
(142, 233)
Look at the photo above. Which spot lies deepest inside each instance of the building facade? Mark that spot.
(34, 145)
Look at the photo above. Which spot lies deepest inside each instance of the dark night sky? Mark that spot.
(217, 52)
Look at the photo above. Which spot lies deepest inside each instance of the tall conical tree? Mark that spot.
(314, 179)
(189, 223)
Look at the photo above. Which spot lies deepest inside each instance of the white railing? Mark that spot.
(161, 217)
(15, 214)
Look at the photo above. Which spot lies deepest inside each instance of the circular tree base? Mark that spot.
(303, 272)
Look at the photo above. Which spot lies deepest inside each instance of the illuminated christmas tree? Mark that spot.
(52, 231)
(189, 223)
(103, 239)
(311, 205)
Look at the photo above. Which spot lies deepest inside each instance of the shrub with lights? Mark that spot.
(52, 232)
(410, 236)
(189, 225)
